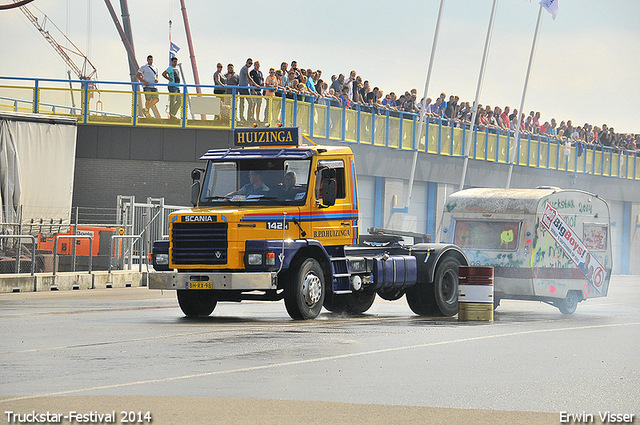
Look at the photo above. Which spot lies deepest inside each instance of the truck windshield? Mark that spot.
(256, 182)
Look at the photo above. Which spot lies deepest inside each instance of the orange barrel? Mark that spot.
(475, 293)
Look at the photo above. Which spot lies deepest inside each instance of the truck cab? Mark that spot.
(275, 219)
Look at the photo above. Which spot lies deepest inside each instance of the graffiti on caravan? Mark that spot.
(564, 235)
(563, 204)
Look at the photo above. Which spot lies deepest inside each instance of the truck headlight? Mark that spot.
(254, 259)
(162, 259)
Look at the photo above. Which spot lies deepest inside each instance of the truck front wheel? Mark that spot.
(196, 303)
(305, 291)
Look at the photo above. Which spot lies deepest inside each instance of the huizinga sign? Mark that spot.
(281, 136)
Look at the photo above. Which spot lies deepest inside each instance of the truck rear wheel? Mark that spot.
(305, 291)
(445, 286)
(354, 303)
(196, 303)
(421, 299)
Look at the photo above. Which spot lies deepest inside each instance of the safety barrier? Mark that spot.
(74, 237)
(33, 250)
(316, 117)
(136, 237)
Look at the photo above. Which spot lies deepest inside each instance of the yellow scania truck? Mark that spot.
(274, 219)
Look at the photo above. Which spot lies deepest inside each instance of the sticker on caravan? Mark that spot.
(564, 235)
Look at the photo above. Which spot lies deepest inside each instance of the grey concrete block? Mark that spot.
(17, 283)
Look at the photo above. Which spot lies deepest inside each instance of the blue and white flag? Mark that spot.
(173, 49)
(551, 6)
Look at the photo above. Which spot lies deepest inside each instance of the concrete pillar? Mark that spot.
(393, 192)
(634, 239)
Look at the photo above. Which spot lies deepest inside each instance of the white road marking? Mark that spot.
(316, 360)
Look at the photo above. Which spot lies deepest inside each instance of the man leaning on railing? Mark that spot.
(171, 74)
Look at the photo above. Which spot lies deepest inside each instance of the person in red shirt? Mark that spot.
(504, 116)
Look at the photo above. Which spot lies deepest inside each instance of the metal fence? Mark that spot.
(90, 239)
(149, 221)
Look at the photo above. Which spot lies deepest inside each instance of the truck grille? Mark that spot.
(199, 243)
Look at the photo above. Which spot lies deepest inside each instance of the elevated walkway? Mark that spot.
(114, 104)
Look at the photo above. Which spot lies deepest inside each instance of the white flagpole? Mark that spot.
(474, 111)
(524, 93)
(423, 111)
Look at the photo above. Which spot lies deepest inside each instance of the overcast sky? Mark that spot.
(586, 68)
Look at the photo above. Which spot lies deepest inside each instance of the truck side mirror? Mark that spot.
(329, 190)
(329, 187)
(328, 173)
(196, 174)
(195, 192)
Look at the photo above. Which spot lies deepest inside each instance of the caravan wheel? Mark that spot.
(569, 304)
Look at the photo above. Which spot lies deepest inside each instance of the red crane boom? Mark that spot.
(85, 71)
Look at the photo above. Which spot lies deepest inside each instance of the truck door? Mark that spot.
(332, 213)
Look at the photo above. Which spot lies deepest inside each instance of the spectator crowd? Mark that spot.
(354, 92)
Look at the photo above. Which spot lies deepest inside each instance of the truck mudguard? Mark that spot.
(429, 254)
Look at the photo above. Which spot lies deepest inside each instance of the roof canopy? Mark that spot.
(508, 201)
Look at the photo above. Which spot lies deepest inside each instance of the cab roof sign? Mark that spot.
(252, 137)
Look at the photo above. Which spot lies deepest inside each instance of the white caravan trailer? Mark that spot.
(545, 244)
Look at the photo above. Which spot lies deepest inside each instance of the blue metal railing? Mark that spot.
(364, 124)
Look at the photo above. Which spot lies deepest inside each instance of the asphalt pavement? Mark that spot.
(130, 352)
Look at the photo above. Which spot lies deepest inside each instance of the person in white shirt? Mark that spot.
(349, 83)
(148, 75)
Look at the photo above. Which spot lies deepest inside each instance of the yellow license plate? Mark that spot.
(200, 285)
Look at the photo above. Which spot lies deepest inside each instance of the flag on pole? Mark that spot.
(551, 6)
(173, 49)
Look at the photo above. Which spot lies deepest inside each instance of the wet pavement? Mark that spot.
(131, 348)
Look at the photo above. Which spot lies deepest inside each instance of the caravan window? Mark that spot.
(485, 234)
(595, 236)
